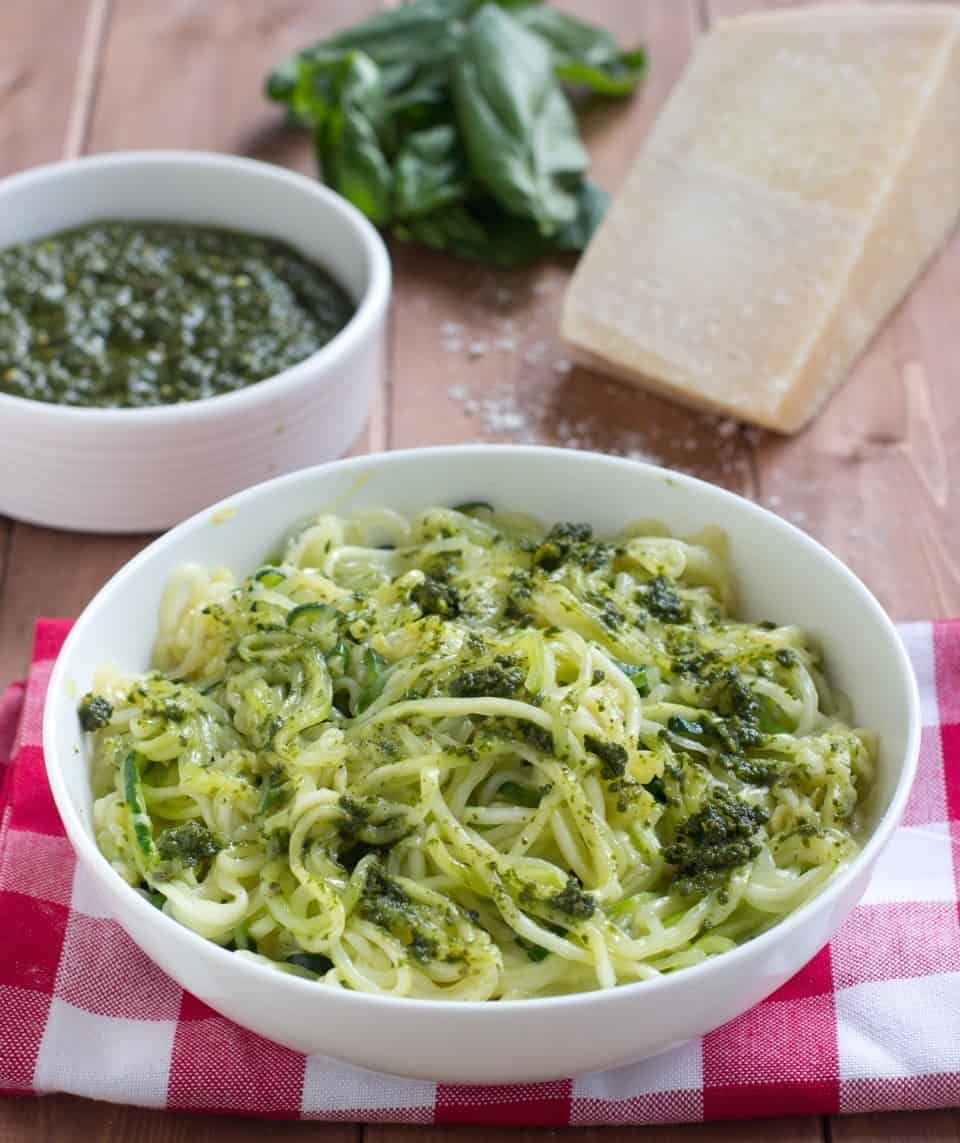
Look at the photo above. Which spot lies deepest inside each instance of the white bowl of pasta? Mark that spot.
(442, 791)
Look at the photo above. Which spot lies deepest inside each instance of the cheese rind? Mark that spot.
(801, 175)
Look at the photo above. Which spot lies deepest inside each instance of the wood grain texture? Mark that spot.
(476, 354)
(183, 75)
(476, 357)
(64, 1119)
(42, 58)
(52, 573)
(190, 74)
(163, 75)
(755, 1131)
(876, 476)
(897, 1127)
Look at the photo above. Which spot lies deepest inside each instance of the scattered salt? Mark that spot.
(643, 455)
(506, 420)
(514, 409)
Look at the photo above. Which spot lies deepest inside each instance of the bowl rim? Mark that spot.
(87, 851)
(369, 306)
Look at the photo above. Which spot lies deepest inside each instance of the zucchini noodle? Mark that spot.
(464, 757)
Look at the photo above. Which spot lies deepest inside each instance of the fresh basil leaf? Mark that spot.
(282, 81)
(339, 95)
(424, 101)
(481, 232)
(398, 40)
(445, 120)
(518, 129)
(452, 229)
(477, 233)
(592, 203)
(430, 172)
(584, 55)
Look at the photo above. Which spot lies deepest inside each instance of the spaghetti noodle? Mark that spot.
(463, 757)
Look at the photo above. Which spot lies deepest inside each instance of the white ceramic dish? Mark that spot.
(782, 575)
(133, 470)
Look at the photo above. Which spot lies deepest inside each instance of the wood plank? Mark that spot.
(191, 75)
(875, 477)
(897, 1127)
(52, 573)
(477, 355)
(752, 1131)
(166, 86)
(39, 69)
(183, 75)
(64, 1119)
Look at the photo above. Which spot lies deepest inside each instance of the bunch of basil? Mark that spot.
(446, 121)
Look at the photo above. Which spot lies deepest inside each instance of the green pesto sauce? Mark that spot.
(135, 314)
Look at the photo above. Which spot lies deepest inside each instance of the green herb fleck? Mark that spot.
(94, 712)
(189, 843)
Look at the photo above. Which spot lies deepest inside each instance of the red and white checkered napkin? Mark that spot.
(873, 1022)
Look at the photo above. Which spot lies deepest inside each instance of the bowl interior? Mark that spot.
(201, 188)
(781, 575)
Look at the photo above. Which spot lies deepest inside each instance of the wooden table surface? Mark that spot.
(475, 357)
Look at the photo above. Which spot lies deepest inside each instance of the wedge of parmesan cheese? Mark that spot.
(802, 173)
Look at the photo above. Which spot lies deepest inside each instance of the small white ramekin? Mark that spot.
(133, 470)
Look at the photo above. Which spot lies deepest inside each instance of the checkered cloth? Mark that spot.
(872, 1023)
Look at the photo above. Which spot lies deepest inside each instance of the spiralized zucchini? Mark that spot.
(461, 757)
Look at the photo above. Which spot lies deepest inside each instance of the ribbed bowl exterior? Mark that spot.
(142, 470)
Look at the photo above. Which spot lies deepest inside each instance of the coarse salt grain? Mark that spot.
(506, 421)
